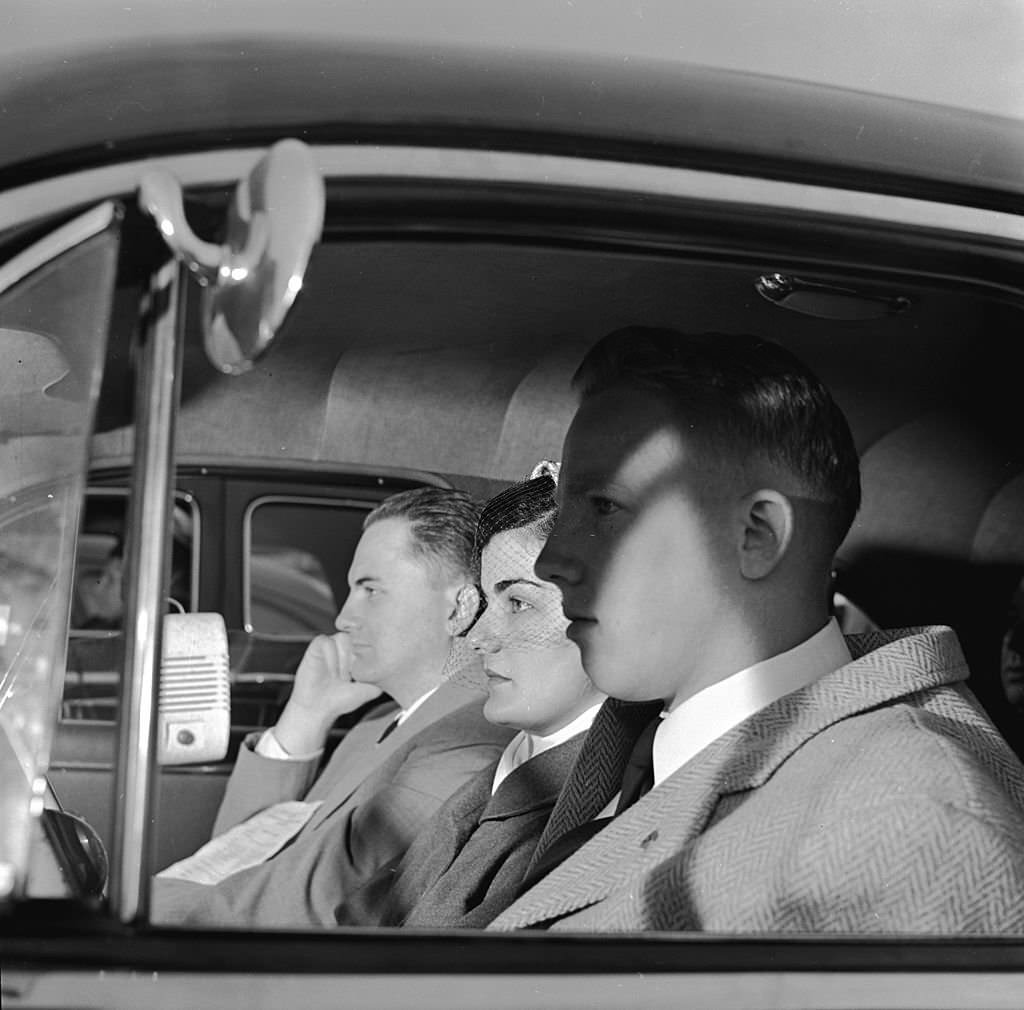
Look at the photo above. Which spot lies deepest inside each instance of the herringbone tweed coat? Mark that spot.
(878, 799)
(467, 863)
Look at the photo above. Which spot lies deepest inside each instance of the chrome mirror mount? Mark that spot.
(250, 282)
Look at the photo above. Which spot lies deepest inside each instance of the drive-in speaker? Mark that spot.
(194, 718)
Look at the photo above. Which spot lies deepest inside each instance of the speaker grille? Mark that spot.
(199, 682)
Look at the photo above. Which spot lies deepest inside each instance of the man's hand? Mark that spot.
(323, 690)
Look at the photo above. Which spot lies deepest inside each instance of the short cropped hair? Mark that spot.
(528, 503)
(443, 527)
(739, 396)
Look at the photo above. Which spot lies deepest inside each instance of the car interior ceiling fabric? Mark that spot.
(479, 364)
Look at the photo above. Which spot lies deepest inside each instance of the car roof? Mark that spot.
(904, 49)
(122, 100)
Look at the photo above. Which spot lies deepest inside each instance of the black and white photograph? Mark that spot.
(512, 504)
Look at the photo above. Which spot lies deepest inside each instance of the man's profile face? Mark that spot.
(640, 549)
(397, 606)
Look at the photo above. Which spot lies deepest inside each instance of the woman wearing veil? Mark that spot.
(468, 864)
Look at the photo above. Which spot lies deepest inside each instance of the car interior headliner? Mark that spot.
(455, 358)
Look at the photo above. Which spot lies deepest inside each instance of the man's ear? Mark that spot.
(768, 523)
(467, 603)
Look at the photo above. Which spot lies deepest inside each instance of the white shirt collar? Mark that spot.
(270, 747)
(406, 712)
(709, 714)
(524, 746)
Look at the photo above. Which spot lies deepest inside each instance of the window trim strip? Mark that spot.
(280, 499)
(350, 161)
(57, 242)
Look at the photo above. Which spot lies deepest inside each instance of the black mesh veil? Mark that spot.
(507, 620)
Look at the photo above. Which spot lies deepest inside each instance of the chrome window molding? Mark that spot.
(341, 161)
(59, 241)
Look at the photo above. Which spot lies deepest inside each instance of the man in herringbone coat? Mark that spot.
(879, 799)
(801, 782)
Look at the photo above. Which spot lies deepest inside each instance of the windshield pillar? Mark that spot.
(158, 386)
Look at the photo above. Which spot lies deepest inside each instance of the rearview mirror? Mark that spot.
(275, 219)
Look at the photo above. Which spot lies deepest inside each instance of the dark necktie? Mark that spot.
(637, 779)
(389, 729)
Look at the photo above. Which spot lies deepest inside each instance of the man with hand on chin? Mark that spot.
(288, 842)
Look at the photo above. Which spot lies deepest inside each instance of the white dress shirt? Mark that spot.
(269, 746)
(687, 730)
(701, 720)
(524, 746)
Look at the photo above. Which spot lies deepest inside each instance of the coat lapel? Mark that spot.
(632, 843)
(359, 754)
(596, 775)
(666, 821)
(534, 784)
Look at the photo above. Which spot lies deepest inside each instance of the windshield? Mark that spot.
(54, 312)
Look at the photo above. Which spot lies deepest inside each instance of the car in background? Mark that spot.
(487, 215)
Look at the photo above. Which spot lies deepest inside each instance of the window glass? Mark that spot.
(53, 330)
(298, 553)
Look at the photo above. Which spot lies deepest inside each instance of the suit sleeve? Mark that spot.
(258, 782)
(305, 883)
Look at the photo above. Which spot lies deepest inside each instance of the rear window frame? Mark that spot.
(279, 498)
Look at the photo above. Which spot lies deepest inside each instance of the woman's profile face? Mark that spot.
(535, 680)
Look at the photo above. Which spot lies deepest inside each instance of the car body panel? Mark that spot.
(777, 990)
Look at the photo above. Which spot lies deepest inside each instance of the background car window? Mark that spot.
(96, 646)
(297, 557)
(98, 603)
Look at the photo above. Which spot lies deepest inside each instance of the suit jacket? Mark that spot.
(375, 799)
(468, 865)
(878, 799)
